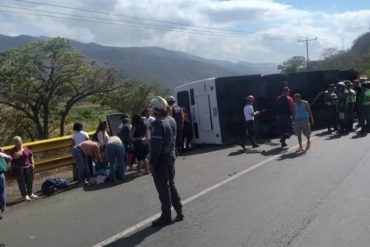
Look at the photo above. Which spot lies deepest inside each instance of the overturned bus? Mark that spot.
(215, 105)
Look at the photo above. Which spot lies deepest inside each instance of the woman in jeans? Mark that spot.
(141, 147)
(23, 163)
(5, 158)
(115, 153)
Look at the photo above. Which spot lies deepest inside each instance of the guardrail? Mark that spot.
(51, 153)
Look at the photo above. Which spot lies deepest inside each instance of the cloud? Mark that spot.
(282, 22)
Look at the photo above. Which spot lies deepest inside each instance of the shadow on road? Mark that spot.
(204, 149)
(333, 137)
(247, 151)
(359, 135)
(290, 155)
(128, 178)
(274, 151)
(324, 133)
(135, 239)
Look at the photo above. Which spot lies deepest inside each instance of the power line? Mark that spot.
(307, 40)
(121, 23)
(236, 32)
(134, 17)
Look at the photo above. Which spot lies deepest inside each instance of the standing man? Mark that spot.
(364, 104)
(177, 113)
(343, 100)
(331, 102)
(250, 128)
(301, 119)
(351, 105)
(284, 111)
(162, 162)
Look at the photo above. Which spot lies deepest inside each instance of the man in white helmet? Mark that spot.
(162, 161)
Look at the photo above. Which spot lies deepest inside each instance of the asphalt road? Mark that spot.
(272, 197)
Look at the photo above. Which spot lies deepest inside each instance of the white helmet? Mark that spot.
(341, 84)
(159, 103)
(171, 99)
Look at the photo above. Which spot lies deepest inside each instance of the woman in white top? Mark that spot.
(101, 134)
(79, 135)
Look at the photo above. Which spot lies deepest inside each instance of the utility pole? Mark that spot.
(307, 40)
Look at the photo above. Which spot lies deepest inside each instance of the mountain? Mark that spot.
(143, 64)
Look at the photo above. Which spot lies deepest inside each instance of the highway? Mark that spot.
(262, 198)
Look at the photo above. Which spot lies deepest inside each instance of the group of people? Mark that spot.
(293, 115)
(346, 101)
(343, 103)
(151, 140)
(154, 139)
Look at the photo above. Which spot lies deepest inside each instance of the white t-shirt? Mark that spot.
(103, 138)
(148, 123)
(248, 113)
(79, 137)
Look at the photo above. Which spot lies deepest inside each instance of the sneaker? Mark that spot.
(255, 146)
(33, 196)
(161, 221)
(283, 145)
(243, 147)
(27, 198)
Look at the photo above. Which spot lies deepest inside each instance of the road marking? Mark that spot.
(147, 221)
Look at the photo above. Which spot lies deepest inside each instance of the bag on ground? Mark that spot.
(52, 185)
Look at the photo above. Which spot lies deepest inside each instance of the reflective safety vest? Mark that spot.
(352, 96)
(366, 97)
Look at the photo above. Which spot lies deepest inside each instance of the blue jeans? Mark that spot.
(82, 164)
(2, 192)
(115, 153)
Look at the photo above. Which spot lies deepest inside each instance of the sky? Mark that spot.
(233, 30)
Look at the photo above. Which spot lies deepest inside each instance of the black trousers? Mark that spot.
(332, 117)
(351, 116)
(250, 133)
(164, 182)
(179, 139)
(25, 180)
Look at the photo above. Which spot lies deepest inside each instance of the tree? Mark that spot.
(294, 64)
(42, 81)
(132, 98)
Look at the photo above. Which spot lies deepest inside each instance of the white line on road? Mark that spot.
(145, 222)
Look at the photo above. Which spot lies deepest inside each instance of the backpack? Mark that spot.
(3, 165)
(52, 185)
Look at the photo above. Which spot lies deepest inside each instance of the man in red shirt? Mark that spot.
(284, 111)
